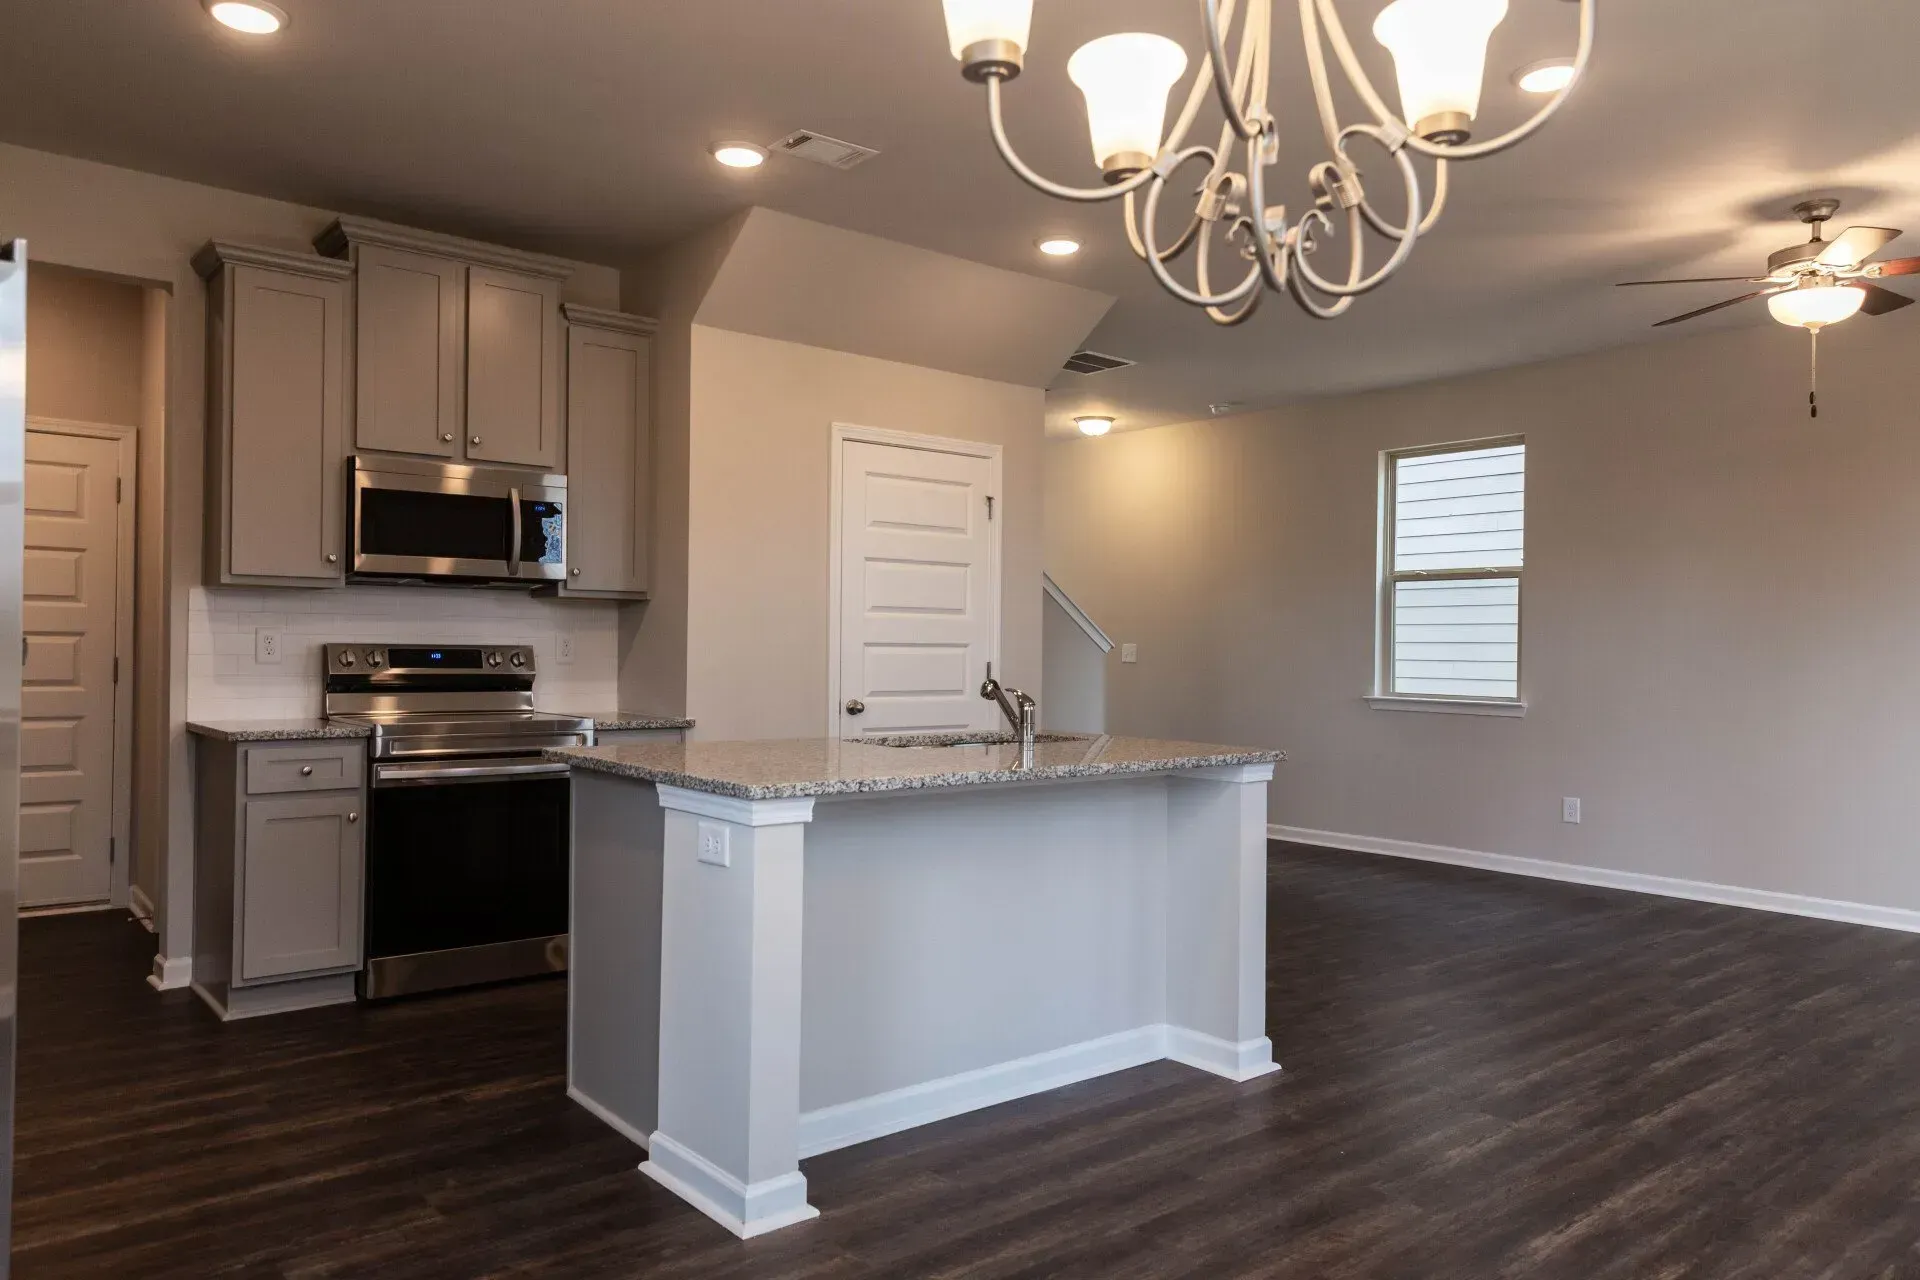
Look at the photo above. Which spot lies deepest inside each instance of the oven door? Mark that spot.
(426, 520)
(467, 870)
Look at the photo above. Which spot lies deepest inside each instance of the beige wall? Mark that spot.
(145, 229)
(85, 344)
(1720, 612)
(763, 413)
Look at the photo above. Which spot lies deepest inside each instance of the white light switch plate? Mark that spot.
(714, 848)
(1129, 653)
(266, 645)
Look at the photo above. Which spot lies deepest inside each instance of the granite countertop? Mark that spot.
(616, 721)
(782, 769)
(276, 730)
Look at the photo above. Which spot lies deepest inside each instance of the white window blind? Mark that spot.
(1456, 545)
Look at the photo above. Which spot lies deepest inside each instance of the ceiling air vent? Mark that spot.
(1094, 362)
(821, 149)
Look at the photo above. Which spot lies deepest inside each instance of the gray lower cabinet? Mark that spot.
(276, 439)
(609, 453)
(278, 873)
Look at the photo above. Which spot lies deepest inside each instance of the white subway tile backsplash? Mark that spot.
(225, 683)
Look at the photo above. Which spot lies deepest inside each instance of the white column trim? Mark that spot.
(746, 1210)
(1262, 772)
(745, 813)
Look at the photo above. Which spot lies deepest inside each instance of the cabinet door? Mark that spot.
(607, 461)
(513, 368)
(300, 885)
(409, 351)
(285, 447)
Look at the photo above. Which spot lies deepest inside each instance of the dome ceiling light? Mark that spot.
(1439, 49)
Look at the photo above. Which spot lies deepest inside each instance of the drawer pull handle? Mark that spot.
(306, 771)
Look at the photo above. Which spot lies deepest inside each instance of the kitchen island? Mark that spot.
(782, 948)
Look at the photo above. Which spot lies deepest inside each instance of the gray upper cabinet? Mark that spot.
(609, 453)
(410, 351)
(300, 885)
(457, 346)
(513, 368)
(276, 440)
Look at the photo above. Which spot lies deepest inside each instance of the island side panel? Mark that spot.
(970, 945)
(1217, 920)
(613, 991)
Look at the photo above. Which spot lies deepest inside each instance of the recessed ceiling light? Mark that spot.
(1058, 246)
(254, 17)
(1094, 424)
(739, 155)
(1550, 76)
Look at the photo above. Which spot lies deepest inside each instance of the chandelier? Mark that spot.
(1439, 49)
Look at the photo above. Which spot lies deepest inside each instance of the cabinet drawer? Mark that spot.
(306, 766)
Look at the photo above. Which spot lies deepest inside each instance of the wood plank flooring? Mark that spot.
(1485, 1077)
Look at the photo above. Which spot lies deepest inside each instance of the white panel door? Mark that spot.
(66, 697)
(919, 591)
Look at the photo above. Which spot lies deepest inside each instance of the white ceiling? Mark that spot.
(581, 127)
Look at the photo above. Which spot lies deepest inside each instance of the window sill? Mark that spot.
(1447, 706)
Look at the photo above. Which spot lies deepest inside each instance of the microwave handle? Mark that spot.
(513, 555)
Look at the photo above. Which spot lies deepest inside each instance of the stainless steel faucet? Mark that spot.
(1020, 711)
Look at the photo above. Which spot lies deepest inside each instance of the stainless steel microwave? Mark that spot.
(423, 520)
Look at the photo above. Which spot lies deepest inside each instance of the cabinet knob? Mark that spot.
(306, 771)
(332, 558)
(474, 441)
(353, 817)
(576, 573)
(446, 437)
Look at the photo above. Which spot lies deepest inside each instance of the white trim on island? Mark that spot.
(746, 1210)
(748, 813)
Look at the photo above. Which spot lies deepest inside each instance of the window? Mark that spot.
(1453, 534)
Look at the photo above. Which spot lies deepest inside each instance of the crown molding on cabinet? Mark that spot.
(222, 253)
(346, 232)
(617, 321)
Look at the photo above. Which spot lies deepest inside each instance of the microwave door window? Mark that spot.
(457, 526)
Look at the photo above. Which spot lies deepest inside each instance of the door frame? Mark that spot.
(845, 433)
(125, 522)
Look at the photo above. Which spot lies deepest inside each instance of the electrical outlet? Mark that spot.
(714, 848)
(1570, 809)
(1129, 653)
(563, 648)
(266, 645)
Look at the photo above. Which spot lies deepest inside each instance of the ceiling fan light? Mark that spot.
(1439, 51)
(1126, 78)
(1816, 307)
(1093, 424)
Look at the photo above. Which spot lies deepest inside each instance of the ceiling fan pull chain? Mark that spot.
(1813, 380)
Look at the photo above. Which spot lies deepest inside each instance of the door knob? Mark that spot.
(855, 706)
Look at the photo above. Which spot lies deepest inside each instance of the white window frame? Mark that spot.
(1383, 698)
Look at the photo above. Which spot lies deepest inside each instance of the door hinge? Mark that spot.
(116, 668)
(989, 506)
(119, 492)
(113, 850)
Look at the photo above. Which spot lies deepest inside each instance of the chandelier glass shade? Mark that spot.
(1439, 49)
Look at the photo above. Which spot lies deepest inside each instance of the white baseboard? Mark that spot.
(170, 973)
(142, 906)
(1792, 904)
(864, 1119)
(608, 1118)
(746, 1210)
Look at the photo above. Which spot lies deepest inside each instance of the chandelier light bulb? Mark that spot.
(989, 36)
(1439, 51)
(1126, 78)
(1815, 307)
(1094, 424)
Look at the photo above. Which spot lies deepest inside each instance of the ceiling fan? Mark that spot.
(1818, 283)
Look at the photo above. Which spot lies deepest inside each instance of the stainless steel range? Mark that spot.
(467, 838)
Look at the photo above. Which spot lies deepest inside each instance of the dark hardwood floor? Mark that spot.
(1485, 1077)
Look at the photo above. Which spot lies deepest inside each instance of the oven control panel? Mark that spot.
(427, 660)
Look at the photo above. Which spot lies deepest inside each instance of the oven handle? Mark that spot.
(424, 774)
(513, 556)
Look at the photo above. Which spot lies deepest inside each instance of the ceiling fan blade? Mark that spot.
(1696, 280)
(1730, 302)
(1880, 301)
(1855, 245)
(1897, 267)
